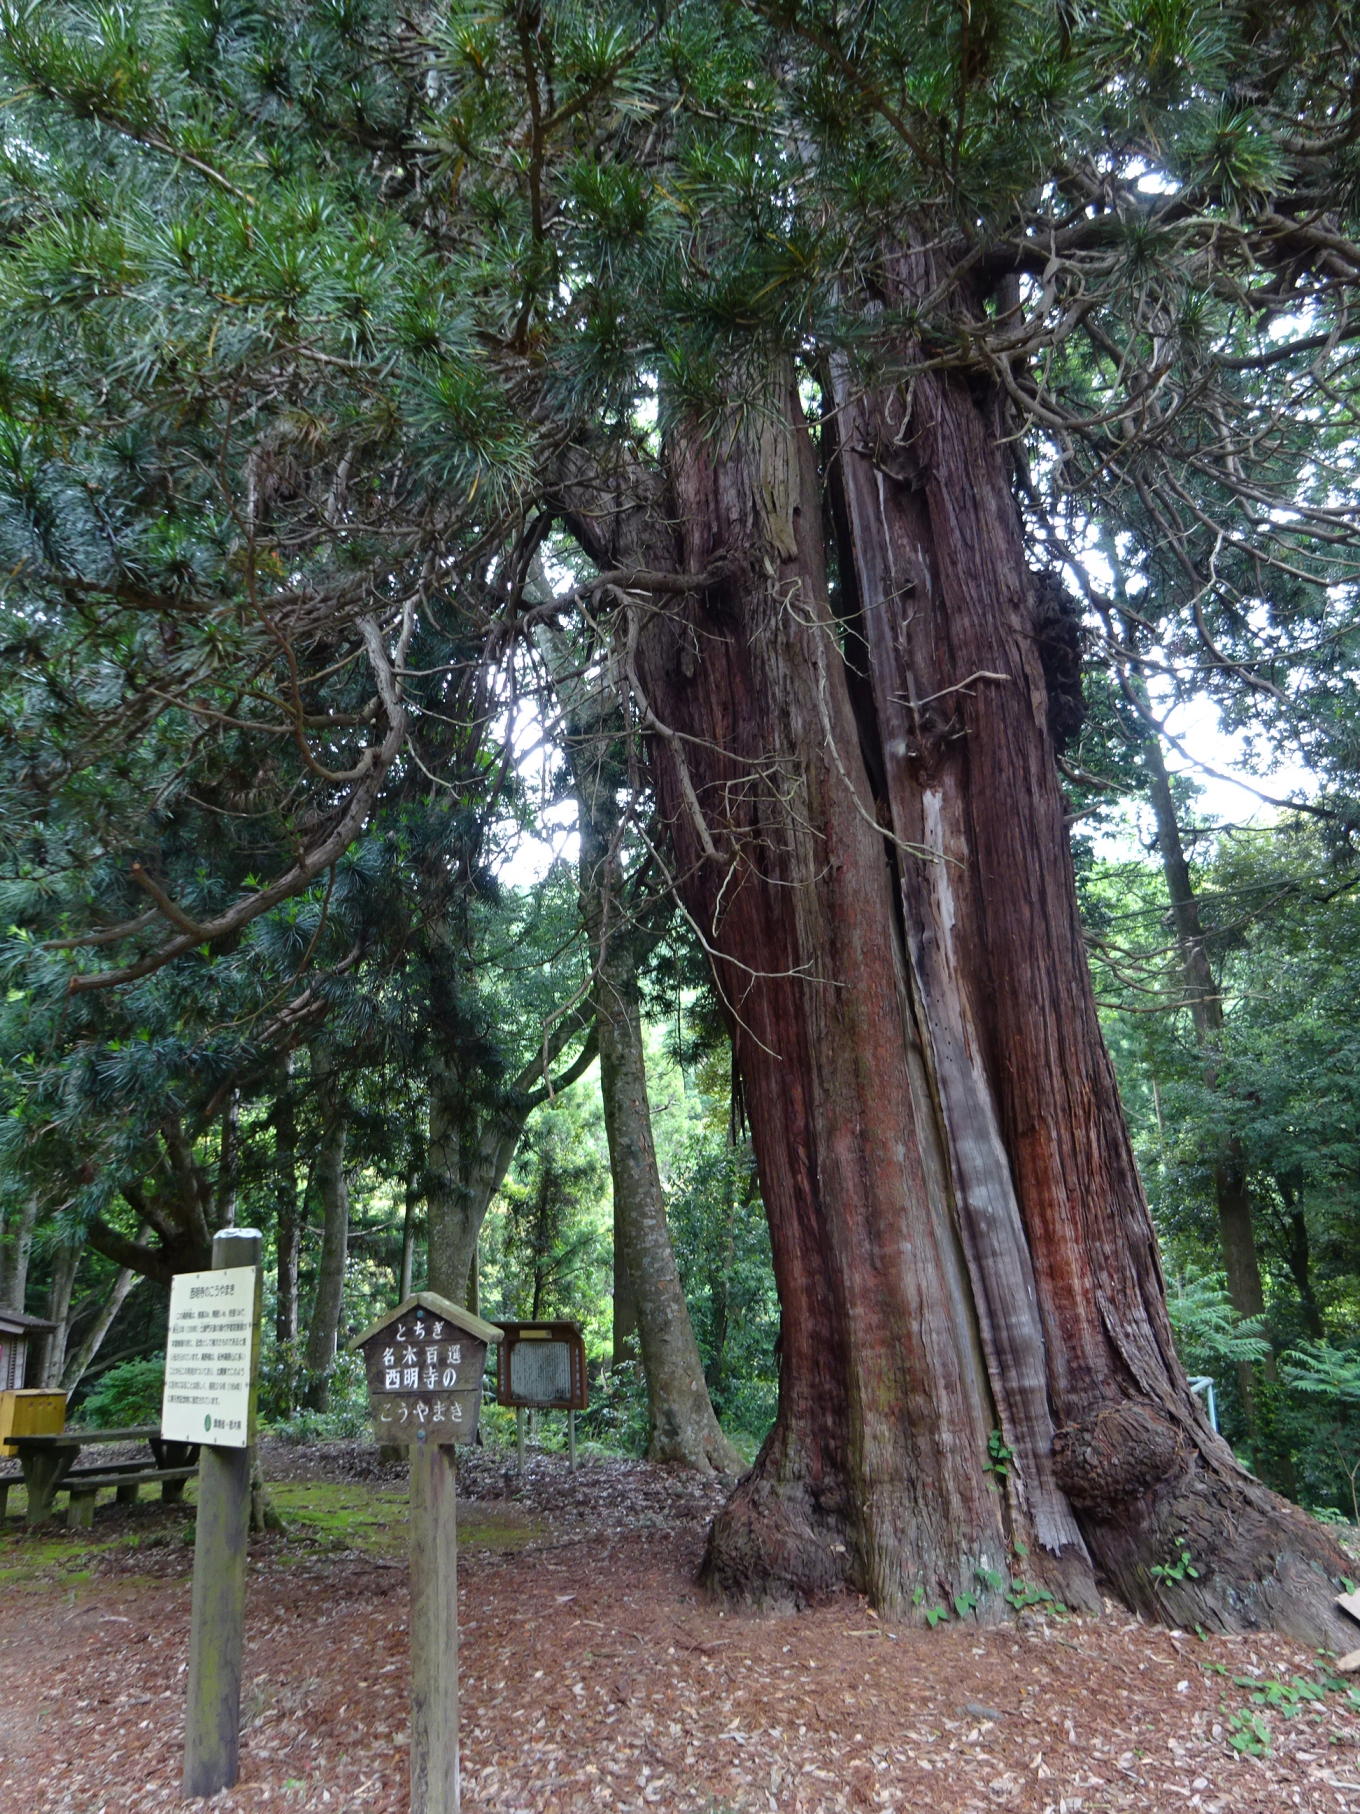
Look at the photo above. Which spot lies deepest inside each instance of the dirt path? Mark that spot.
(594, 1676)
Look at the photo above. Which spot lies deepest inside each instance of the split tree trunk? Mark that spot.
(976, 1362)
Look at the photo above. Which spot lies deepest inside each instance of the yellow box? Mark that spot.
(28, 1412)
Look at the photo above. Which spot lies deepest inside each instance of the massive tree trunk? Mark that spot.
(976, 1363)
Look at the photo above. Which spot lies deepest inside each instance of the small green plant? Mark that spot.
(1248, 1729)
(1180, 1569)
(1021, 1595)
(1287, 1697)
(344, 1423)
(999, 1456)
(931, 1614)
(964, 1604)
(1249, 1733)
(990, 1579)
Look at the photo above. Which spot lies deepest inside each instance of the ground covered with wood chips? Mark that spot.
(595, 1676)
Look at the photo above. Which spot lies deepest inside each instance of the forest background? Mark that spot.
(299, 649)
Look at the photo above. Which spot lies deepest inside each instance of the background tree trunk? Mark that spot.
(468, 1154)
(683, 1428)
(623, 1323)
(1231, 1186)
(65, 1264)
(75, 1364)
(324, 1324)
(287, 1216)
(16, 1246)
(406, 1270)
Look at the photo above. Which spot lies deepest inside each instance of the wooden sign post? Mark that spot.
(424, 1363)
(210, 1370)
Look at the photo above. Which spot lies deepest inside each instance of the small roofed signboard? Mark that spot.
(424, 1364)
(542, 1367)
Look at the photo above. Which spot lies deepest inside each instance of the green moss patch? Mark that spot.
(372, 1519)
(348, 1515)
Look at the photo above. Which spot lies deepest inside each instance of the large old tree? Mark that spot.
(830, 333)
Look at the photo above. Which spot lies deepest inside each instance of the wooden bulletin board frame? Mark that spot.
(517, 1334)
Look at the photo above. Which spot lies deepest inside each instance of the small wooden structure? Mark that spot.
(542, 1367)
(25, 1410)
(424, 1363)
(20, 1342)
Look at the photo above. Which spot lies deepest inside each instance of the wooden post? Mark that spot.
(571, 1441)
(212, 1724)
(424, 1364)
(434, 1629)
(520, 1415)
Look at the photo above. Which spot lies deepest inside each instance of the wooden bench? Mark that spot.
(50, 1464)
(83, 1486)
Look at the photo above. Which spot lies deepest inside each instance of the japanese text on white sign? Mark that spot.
(209, 1357)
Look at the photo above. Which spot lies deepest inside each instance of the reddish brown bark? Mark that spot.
(869, 833)
(962, 716)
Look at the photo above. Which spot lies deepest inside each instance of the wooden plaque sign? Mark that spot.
(542, 1367)
(424, 1363)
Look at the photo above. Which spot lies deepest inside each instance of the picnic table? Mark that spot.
(50, 1464)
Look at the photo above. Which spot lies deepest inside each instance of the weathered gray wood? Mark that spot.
(42, 1476)
(84, 1487)
(434, 1630)
(47, 1461)
(217, 1629)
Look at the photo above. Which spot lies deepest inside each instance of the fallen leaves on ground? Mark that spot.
(596, 1676)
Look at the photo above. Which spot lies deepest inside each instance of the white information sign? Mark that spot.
(210, 1357)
